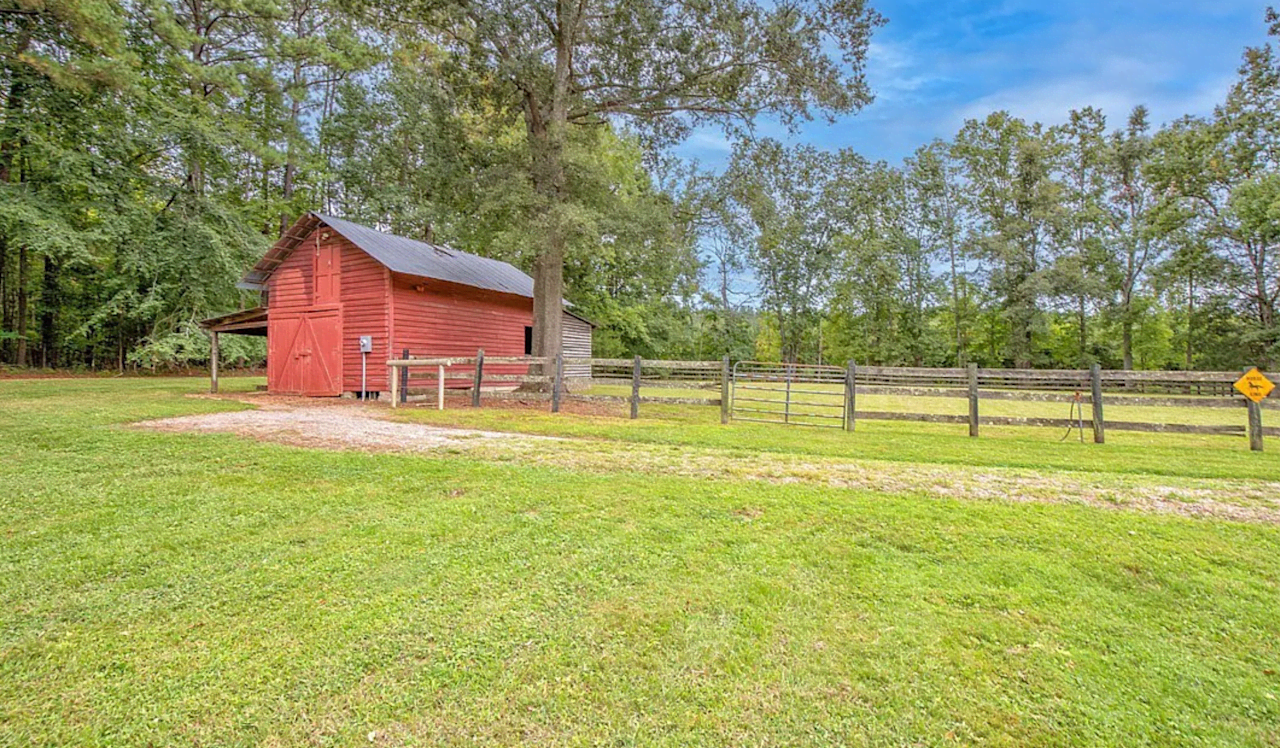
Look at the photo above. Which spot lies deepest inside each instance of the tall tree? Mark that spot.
(1008, 166)
(665, 67)
(934, 183)
(1136, 243)
(790, 200)
(1078, 272)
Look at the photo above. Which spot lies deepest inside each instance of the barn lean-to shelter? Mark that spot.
(328, 282)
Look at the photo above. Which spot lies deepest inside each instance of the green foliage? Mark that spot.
(150, 152)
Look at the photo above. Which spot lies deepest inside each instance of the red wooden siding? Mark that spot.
(446, 319)
(291, 286)
(365, 311)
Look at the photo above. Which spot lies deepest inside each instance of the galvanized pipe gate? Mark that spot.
(793, 394)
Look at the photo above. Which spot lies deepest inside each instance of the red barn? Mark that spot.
(327, 283)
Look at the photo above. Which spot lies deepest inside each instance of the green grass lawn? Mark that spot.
(160, 589)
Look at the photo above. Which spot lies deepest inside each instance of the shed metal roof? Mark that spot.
(401, 255)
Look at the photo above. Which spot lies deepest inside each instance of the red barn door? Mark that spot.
(304, 355)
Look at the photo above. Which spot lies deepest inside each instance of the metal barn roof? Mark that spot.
(401, 255)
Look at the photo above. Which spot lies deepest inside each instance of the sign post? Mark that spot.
(1256, 387)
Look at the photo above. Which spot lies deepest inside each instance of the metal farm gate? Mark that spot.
(793, 394)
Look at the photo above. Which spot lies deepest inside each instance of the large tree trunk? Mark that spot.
(10, 145)
(20, 357)
(6, 314)
(49, 302)
(548, 269)
(547, 132)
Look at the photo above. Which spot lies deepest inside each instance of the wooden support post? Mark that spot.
(475, 391)
(786, 412)
(724, 390)
(1255, 421)
(440, 387)
(850, 396)
(1095, 393)
(404, 380)
(395, 385)
(558, 384)
(973, 400)
(635, 390)
(213, 363)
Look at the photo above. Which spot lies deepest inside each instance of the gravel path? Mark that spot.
(333, 427)
(351, 426)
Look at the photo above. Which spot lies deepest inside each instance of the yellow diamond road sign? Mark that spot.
(1255, 386)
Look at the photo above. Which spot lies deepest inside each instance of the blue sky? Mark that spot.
(939, 62)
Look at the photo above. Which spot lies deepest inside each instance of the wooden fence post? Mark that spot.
(440, 387)
(404, 380)
(724, 391)
(786, 413)
(635, 390)
(850, 396)
(213, 363)
(395, 384)
(555, 387)
(973, 400)
(475, 391)
(1095, 393)
(1255, 421)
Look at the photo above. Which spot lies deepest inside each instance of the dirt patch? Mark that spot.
(346, 424)
(1237, 500)
(331, 426)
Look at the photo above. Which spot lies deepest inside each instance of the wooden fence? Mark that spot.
(509, 377)
(1091, 390)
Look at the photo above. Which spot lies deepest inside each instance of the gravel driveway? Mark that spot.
(331, 426)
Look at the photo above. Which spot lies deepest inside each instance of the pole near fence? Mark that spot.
(440, 387)
(1255, 421)
(1095, 393)
(394, 375)
(404, 380)
(213, 362)
(786, 413)
(555, 387)
(850, 396)
(475, 391)
(724, 391)
(635, 390)
(973, 400)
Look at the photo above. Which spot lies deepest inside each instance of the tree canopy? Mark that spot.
(151, 151)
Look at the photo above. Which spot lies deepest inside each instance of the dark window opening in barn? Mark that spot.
(528, 341)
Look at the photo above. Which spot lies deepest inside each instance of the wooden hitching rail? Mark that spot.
(644, 374)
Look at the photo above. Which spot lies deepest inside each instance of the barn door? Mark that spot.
(328, 273)
(304, 354)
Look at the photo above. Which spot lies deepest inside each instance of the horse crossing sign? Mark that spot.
(1254, 385)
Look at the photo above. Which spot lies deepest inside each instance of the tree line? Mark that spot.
(151, 150)
(1018, 244)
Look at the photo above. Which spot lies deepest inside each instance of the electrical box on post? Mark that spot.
(366, 344)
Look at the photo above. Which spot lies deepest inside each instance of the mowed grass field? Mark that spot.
(184, 589)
